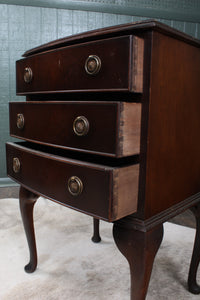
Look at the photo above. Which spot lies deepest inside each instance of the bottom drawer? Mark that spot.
(109, 191)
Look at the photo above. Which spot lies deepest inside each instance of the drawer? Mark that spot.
(107, 191)
(114, 64)
(108, 128)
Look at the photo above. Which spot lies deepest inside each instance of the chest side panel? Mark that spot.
(173, 145)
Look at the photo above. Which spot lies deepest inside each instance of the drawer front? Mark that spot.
(111, 128)
(97, 187)
(104, 65)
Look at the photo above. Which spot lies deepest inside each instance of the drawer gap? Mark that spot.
(90, 96)
(91, 158)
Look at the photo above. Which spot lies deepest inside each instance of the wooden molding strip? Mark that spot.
(145, 225)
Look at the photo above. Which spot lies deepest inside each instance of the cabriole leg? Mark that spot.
(192, 281)
(140, 249)
(96, 236)
(27, 200)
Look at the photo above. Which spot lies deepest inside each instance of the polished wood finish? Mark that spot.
(114, 127)
(123, 29)
(192, 278)
(96, 236)
(141, 164)
(113, 188)
(132, 221)
(140, 249)
(63, 70)
(27, 201)
(172, 152)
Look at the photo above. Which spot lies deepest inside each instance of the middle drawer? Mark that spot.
(107, 128)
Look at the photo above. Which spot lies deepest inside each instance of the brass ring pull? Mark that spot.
(75, 186)
(92, 65)
(28, 75)
(16, 165)
(20, 121)
(81, 126)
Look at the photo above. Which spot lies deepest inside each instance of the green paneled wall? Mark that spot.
(182, 10)
(23, 27)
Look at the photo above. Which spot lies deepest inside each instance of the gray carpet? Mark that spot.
(72, 267)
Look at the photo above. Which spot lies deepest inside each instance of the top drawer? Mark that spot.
(114, 64)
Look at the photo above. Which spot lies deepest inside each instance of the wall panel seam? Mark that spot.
(193, 15)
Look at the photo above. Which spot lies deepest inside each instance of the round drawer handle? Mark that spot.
(75, 186)
(20, 121)
(16, 165)
(81, 126)
(28, 75)
(92, 65)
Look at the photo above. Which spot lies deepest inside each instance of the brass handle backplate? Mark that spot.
(16, 165)
(81, 126)
(92, 65)
(20, 121)
(28, 74)
(75, 186)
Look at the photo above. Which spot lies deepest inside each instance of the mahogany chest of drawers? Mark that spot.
(111, 128)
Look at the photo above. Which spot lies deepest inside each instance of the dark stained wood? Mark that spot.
(123, 29)
(150, 64)
(140, 249)
(144, 123)
(192, 278)
(133, 222)
(173, 160)
(48, 174)
(27, 201)
(96, 236)
(63, 70)
(114, 127)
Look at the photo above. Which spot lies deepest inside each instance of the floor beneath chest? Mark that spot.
(72, 267)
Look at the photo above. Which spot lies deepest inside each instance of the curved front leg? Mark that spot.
(192, 281)
(27, 200)
(140, 249)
